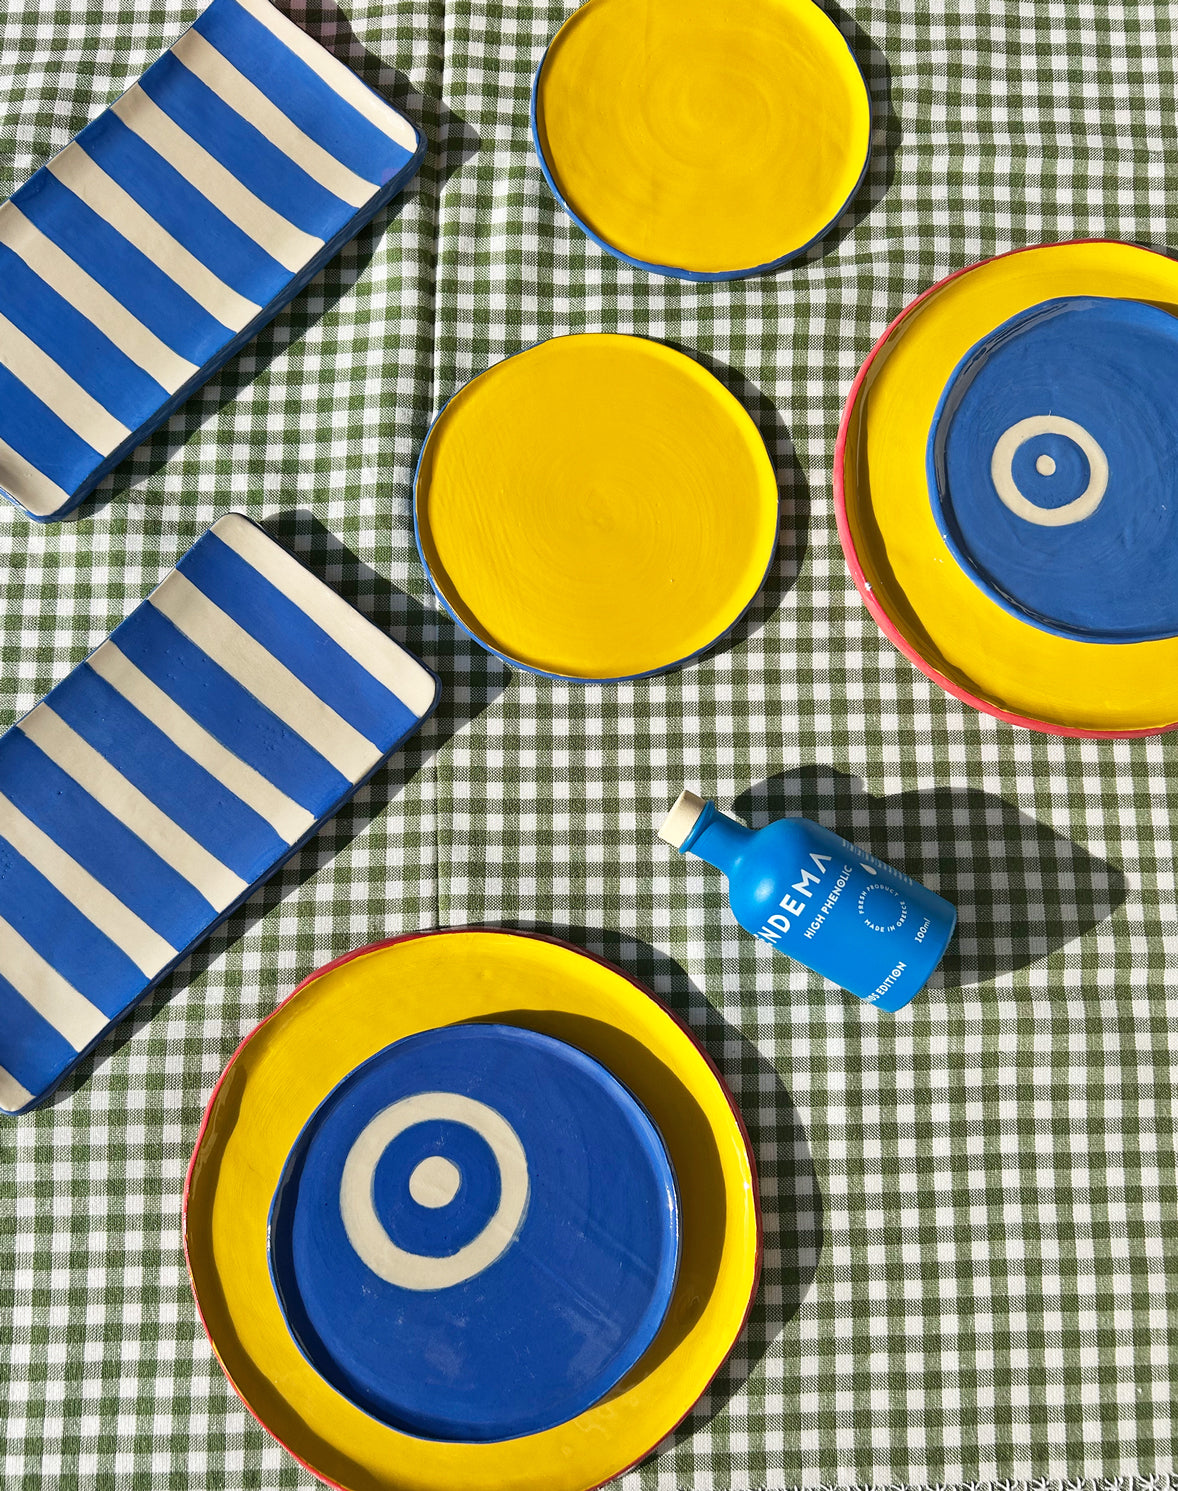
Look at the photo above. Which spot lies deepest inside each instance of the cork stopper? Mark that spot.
(682, 818)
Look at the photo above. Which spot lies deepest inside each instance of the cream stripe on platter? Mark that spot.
(284, 815)
(32, 488)
(290, 246)
(71, 1014)
(376, 652)
(268, 680)
(103, 195)
(203, 60)
(54, 387)
(12, 1095)
(219, 885)
(149, 952)
(338, 78)
(99, 306)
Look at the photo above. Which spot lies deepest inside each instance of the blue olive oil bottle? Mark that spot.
(810, 894)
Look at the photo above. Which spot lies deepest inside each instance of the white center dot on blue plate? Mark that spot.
(435, 1181)
(1045, 466)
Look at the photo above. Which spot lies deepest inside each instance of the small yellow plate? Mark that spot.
(700, 140)
(908, 577)
(598, 507)
(344, 1014)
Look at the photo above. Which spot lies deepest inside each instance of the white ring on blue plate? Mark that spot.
(367, 1234)
(1002, 471)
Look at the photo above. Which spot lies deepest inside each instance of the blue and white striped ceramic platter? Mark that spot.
(1051, 468)
(168, 775)
(169, 231)
(476, 1236)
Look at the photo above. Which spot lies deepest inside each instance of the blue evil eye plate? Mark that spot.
(476, 1235)
(1053, 468)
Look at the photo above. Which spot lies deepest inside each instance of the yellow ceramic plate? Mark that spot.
(909, 579)
(338, 1018)
(701, 140)
(597, 507)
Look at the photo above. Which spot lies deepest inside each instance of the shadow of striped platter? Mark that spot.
(168, 775)
(178, 222)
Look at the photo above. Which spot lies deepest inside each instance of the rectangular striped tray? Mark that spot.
(176, 224)
(154, 788)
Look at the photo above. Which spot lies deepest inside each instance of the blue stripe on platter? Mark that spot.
(175, 225)
(1051, 468)
(48, 225)
(75, 344)
(476, 1235)
(173, 771)
(206, 230)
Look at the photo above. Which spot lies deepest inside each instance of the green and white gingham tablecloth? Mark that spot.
(971, 1263)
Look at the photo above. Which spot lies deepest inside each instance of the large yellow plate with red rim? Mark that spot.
(341, 1016)
(909, 579)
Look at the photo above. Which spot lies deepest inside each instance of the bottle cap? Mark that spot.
(682, 818)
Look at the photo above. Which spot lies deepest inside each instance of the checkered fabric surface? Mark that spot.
(971, 1268)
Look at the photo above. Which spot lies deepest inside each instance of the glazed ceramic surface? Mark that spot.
(175, 225)
(979, 646)
(171, 773)
(1052, 462)
(349, 1012)
(597, 507)
(701, 141)
(476, 1236)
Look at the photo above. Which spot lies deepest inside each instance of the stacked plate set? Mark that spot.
(508, 1250)
(1005, 492)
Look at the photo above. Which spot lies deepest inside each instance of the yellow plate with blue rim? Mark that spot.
(922, 597)
(597, 507)
(698, 140)
(336, 1020)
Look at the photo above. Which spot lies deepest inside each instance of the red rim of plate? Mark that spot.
(850, 553)
(374, 947)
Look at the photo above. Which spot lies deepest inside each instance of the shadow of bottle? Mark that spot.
(451, 142)
(791, 1199)
(471, 680)
(1022, 891)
